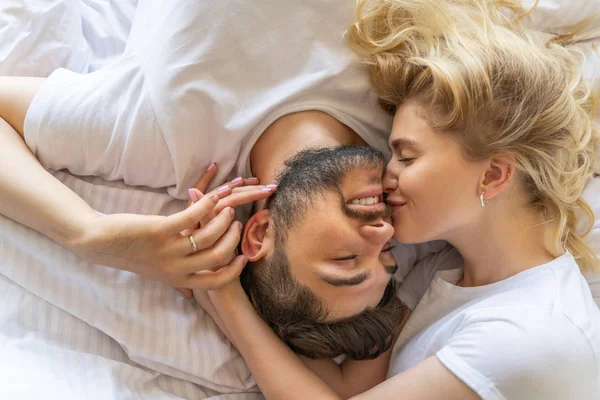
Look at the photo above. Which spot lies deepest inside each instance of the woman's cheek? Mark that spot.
(413, 180)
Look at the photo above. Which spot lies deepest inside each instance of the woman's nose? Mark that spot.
(390, 180)
(377, 232)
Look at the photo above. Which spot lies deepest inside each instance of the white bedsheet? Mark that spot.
(69, 329)
(100, 331)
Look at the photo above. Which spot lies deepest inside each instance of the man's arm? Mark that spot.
(33, 197)
(151, 246)
(16, 95)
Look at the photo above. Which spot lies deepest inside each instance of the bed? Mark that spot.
(70, 329)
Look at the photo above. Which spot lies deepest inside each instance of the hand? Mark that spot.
(243, 191)
(153, 247)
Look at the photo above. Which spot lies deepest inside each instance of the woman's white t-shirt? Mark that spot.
(535, 335)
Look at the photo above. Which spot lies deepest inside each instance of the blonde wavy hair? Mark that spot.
(483, 78)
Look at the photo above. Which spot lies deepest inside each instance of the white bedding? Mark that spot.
(95, 330)
(69, 329)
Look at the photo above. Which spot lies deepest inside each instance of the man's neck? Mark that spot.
(293, 133)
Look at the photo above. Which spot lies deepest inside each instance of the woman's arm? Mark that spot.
(280, 373)
(354, 377)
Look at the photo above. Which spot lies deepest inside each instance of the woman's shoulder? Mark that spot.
(558, 284)
(528, 352)
(546, 307)
(554, 319)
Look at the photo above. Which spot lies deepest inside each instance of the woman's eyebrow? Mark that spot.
(352, 281)
(400, 143)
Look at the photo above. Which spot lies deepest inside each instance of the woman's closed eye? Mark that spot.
(347, 258)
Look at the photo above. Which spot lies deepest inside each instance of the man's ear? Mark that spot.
(258, 240)
(499, 172)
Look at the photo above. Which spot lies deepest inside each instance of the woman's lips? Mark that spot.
(396, 204)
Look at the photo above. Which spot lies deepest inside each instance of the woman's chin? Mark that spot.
(406, 237)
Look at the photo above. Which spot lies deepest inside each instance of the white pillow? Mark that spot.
(561, 16)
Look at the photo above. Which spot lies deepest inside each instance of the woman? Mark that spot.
(492, 146)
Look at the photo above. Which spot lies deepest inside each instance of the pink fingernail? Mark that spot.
(236, 180)
(193, 195)
(266, 189)
(223, 188)
(272, 185)
(211, 167)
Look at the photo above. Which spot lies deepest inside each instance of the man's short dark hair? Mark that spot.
(290, 308)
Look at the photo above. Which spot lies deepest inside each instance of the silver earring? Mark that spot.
(483, 202)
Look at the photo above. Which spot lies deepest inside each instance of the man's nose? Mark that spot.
(390, 180)
(377, 232)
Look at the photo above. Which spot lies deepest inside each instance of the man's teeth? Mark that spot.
(366, 200)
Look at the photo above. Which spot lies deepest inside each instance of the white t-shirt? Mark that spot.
(198, 82)
(535, 335)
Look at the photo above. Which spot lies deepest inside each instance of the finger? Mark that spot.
(226, 190)
(241, 182)
(204, 181)
(187, 293)
(215, 280)
(176, 223)
(206, 236)
(221, 192)
(243, 197)
(247, 188)
(207, 218)
(251, 181)
(194, 195)
(216, 256)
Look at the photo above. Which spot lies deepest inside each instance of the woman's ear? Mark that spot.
(498, 175)
(258, 240)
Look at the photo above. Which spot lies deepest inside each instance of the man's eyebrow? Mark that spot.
(400, 143)
(353, 281)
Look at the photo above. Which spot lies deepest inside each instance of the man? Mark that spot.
(188, 92)
(186, 106)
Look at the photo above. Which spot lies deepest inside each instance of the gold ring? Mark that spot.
(193, 243)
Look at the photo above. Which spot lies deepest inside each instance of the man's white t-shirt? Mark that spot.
(535, 335)
(198, 82)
